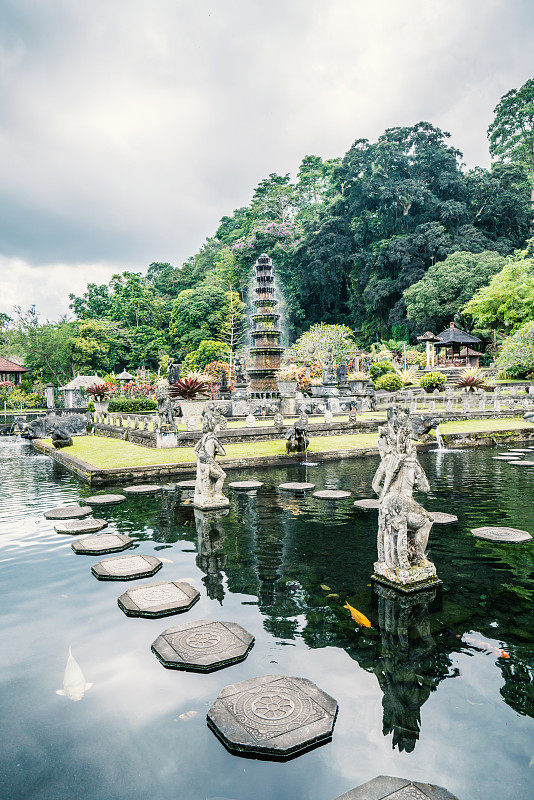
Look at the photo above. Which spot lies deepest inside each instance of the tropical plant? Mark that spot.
(313, 346)
(379, 368)
(100, 391)
(406, 374)
(471, 378)
(432, 380)
(390, 382)
(216, 368)
(358, 376)
(516, 358)
(190, 387)
(289, 372)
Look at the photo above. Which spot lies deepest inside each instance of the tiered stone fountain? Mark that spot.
(266, 350)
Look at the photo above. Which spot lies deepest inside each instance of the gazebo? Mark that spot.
(72, 392)
(455, 341)
(11, 371)
(125, 376)
(430, 339)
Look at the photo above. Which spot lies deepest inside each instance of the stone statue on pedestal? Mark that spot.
(173, 372)
(403, 524)
(329, 371)
(165, 415)
(210, 475)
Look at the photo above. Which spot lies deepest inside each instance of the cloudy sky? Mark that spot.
(129, 127)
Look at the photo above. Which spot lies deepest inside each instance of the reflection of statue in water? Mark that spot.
(403, 524)
(164, 412)
(406, 670)
(210, 559)
(210, 475)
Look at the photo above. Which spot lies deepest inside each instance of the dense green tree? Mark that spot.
(198, 313)
(507, 302)
(447, 286)
(47, 347)
(94, 303)
(516, 357)
(208, 350)
(312, 347)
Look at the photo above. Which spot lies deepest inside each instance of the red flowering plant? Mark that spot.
(101, 391)
(188, 388)
(139, 389)
(5, 388)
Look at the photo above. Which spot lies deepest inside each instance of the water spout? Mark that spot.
(439, 439)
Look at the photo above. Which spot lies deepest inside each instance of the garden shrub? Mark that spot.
(516, 358)
(132, 405)
(433, 380)
(380, 368)
(390, 382)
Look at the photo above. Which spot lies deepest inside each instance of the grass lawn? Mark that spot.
(105, 453)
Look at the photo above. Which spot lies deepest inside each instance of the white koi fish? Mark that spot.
(74, 685)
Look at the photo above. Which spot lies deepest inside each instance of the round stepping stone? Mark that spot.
(104, 499)
(369, 504)
(296, 486)
(142, 488)
(501, 458)
(386, 787)
(87, 525)
(203, 646)
(158, 599)
(186, 484)
(331, 494)
(501, 534)
(126, 568)
(272, 716)
(101, 543)
(521, 450)
(68, 512)
(245, 485)
(521, 462)
(440, 518)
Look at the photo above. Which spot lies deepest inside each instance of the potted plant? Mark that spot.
(99, 393)
(192, 391)
(287, 379)
(357, 381)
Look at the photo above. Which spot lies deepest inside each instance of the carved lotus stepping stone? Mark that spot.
(501, 534)
(87, 525)
(142, 488)
(440, 518)
(245, 485)
(158, 599)
(75, 511)
(104, 499)
(126, 568)
(331, 494)
(101, 543)
(368, 504)
(186, 484)
(396, 789)
(203, 646)
(273, 716)
(296, 486)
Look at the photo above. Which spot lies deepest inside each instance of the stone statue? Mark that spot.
(173, 372)
(278, 420)
(210, 475)
(329, 371)
(240, 376)
(403, 524)
(342, 373)
(297, 437)
(164, 411)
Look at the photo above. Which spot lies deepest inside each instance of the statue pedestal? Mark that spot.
(166, 438)
(406, 580)
(206, 504)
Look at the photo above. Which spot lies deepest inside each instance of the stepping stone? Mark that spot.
(396, 789)
(126, 568)
(295, 486)
(186, 484)
(203, 646)
(440, 518)
(104, 499)
(245, 485)
(521, 450)
(101, 543)
(501, 534)
(501, 458)
(68, 512)
(272, 716)
(523, 463)
(158, 599)
(142, 488)
(369, 504)
(87, 525)
(331, 494)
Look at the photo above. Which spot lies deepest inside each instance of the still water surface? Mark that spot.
(427, 693)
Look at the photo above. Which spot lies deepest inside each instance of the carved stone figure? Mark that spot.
(240, 376)
(173, 372)
(278, 420)
(210, 475)
(164, 412)
(403, 524)
(297, 437)
(329, 371)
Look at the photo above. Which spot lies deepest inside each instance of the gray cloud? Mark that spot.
(127, 129)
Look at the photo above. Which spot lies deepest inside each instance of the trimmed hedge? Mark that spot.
(390, 382)
(380, 368)
(131, 405)
(433, 380)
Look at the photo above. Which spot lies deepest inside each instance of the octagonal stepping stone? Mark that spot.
(520, 450)
(158, 599)
(126, 568)
(186, 484)
(331, 494)
(501, 534)
(391, 788)
(501, 458)
(369, 504)
(105, 499)
(273, 716)
(440, 518)
(523, 463)
(142, 488)
(75, 511)
(87, 525)
(101, 543)
(203, 646)
(245, 485)
(296, 486)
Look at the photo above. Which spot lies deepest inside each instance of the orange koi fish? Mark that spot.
(481, 645)
(357, 616)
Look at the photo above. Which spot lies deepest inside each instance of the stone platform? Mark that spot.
(75, 511)
(159, 599)
(406, 580)
(386, 787)
(85, 525)
(501, 534)
(203, 646)
(101, 543)
(126, 568)
(105, 499)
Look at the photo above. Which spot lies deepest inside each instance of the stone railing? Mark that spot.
(460, 402)
(140, 422)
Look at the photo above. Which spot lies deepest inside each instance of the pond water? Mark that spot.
(441, 693)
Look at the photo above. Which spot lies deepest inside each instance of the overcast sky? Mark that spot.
(128, 128)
